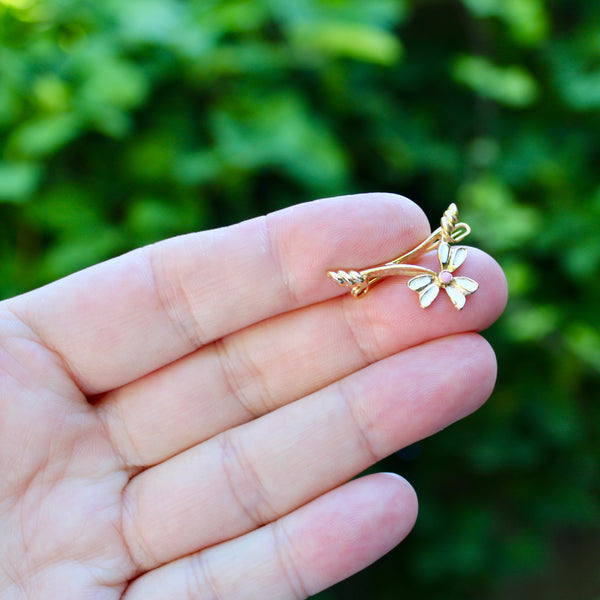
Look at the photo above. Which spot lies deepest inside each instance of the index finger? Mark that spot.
(119, 320)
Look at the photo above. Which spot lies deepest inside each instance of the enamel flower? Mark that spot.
(429, 284)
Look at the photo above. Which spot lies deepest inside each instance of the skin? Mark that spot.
(181, 422)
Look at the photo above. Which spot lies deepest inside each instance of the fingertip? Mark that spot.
(403, 509)
(351, 527)
(493, 284)
(479, 372)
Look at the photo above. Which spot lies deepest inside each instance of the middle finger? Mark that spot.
(273, 363)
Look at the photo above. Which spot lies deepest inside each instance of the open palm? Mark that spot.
(180, 422)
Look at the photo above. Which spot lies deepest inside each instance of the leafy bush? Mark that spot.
(125, 122)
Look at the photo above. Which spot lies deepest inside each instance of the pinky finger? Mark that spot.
(300, 554)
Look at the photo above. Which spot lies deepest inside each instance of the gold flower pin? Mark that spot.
(424, 281)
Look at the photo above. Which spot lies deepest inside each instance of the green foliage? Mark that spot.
(512, 86)
(123, 122)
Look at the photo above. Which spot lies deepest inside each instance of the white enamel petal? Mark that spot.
(457, 297)
(419, 282)
(466, 285)
(458, 254)
(444, 254)
(428, 295)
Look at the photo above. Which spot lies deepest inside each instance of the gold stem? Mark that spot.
(450, 232)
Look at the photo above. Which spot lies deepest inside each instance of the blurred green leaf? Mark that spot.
(527, 20)
(44, 135)
(280, 132)
(150, 21)
(80, 251)
(151, 158)
(51, 93)
(484, 8)
(531, 323)
(498, 219)
(18, 180)
(575, 72)
(152, 219)
(65, 210)
(521, 276)
(237, 16)
(197, 167)
(584, 341)
(512, 86)
(9, 104)
(115, 82)
(349, 40)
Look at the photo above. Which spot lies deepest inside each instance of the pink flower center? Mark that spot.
(445, 277)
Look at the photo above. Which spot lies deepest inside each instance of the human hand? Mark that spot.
(179, 422)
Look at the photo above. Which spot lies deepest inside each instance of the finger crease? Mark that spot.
(127, 523)
(263, 401)
(174, 300)
(201, 577)
(129, 457)
(233, 380)
(276, 258)
(244, 482)
(348, 398)
(286, 562)
(367, 356)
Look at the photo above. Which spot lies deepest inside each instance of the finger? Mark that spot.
(163, 301)
(257, 472)
(299, 555)
(280, 360)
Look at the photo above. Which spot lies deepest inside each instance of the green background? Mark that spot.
(126, 121)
